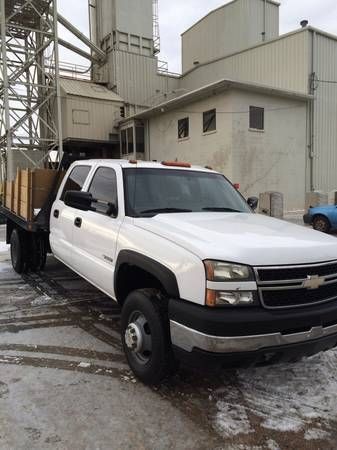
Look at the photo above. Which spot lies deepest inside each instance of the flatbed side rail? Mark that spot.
(22, 223)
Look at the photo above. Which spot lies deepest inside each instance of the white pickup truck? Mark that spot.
(199, 276)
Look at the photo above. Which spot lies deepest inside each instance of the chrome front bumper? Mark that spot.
(189, 339)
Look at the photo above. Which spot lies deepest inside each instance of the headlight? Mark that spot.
(221, 271)
(229, 298)
(235, 274)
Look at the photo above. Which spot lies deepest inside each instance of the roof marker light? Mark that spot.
(133, 161)
(176, 164)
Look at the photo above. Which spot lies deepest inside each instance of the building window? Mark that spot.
(256, 118)
(124, 142)
(209, 121)
(130, 140)
(127, 139)
(140, 139)
(183, 128)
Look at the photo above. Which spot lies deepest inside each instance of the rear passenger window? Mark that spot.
(76, 180)
(104, 189)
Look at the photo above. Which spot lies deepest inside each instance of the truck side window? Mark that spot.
(104, 189)
(76, 180)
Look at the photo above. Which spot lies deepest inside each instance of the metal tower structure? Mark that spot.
(29, 84)
(156, 30)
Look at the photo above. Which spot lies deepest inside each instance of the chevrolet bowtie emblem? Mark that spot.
(313, 282)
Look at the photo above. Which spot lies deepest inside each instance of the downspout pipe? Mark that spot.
(312, 114)
(264, 20)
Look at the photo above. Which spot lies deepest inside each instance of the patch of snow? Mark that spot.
(287, 397)
(42, 300)
(84, 365)
(272, 445)
(231, 418)
(316, 434)
(4, 267)
(4, 247)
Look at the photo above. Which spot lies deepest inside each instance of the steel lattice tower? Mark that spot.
(29, 83)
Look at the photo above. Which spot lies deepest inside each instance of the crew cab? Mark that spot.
(200, 277)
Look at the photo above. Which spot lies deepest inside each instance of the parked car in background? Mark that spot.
(322, 218)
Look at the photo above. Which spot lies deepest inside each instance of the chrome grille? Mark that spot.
(297, 286)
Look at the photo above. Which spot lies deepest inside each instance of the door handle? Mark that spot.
(56, 213)
(78, 222)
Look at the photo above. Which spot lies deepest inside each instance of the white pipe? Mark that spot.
(58, 87)
(10, 168)
(70, 27)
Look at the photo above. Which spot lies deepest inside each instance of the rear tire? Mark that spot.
(145, 336)
(321, 223)
(37, 253)
(18, 248)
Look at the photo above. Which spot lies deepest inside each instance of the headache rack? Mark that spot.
(28, 199)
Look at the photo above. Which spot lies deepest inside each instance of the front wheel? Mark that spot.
(321, 223)
(145, 336)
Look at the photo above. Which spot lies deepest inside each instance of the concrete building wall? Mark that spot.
(282, 63)
(211, 149)
(273, 159)
(228, 29)
(260, 161)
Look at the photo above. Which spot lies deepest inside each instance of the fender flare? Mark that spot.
(156, 269)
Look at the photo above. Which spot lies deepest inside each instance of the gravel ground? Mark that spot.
(64, 383)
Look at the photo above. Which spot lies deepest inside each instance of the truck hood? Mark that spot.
(251, 239)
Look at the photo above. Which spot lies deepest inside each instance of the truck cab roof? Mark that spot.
(124, 163)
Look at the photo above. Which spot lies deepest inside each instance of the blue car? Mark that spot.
(322, 218)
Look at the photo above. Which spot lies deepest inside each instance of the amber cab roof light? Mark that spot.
(133, 161)
(176, 164)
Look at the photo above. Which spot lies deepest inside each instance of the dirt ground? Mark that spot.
(64, 383)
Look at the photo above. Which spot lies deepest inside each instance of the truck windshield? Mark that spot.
(149, 192)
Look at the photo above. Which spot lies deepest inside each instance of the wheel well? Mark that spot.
(321, 215)
(9, 229)
(131, 278)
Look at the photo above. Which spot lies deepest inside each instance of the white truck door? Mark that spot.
(96, 232)
(62, 217)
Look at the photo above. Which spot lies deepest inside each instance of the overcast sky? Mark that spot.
(177, 15)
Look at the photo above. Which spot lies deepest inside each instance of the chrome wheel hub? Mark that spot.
(138, 338)
(133, 337)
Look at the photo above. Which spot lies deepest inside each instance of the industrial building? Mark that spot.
(256, 105)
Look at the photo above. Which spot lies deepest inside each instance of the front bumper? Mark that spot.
(189, 339)
(307, 219)
(250, 336)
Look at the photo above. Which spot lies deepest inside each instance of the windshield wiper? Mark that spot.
(216, 209)
(165, 210)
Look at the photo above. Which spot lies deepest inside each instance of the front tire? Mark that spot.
(145, 336)
(18, 249)
(321, 223)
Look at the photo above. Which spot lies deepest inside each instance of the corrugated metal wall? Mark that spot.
(283, 63)
(128, 16)
(325, 138)
(137, 80)
(88, 118)
(231, 28)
